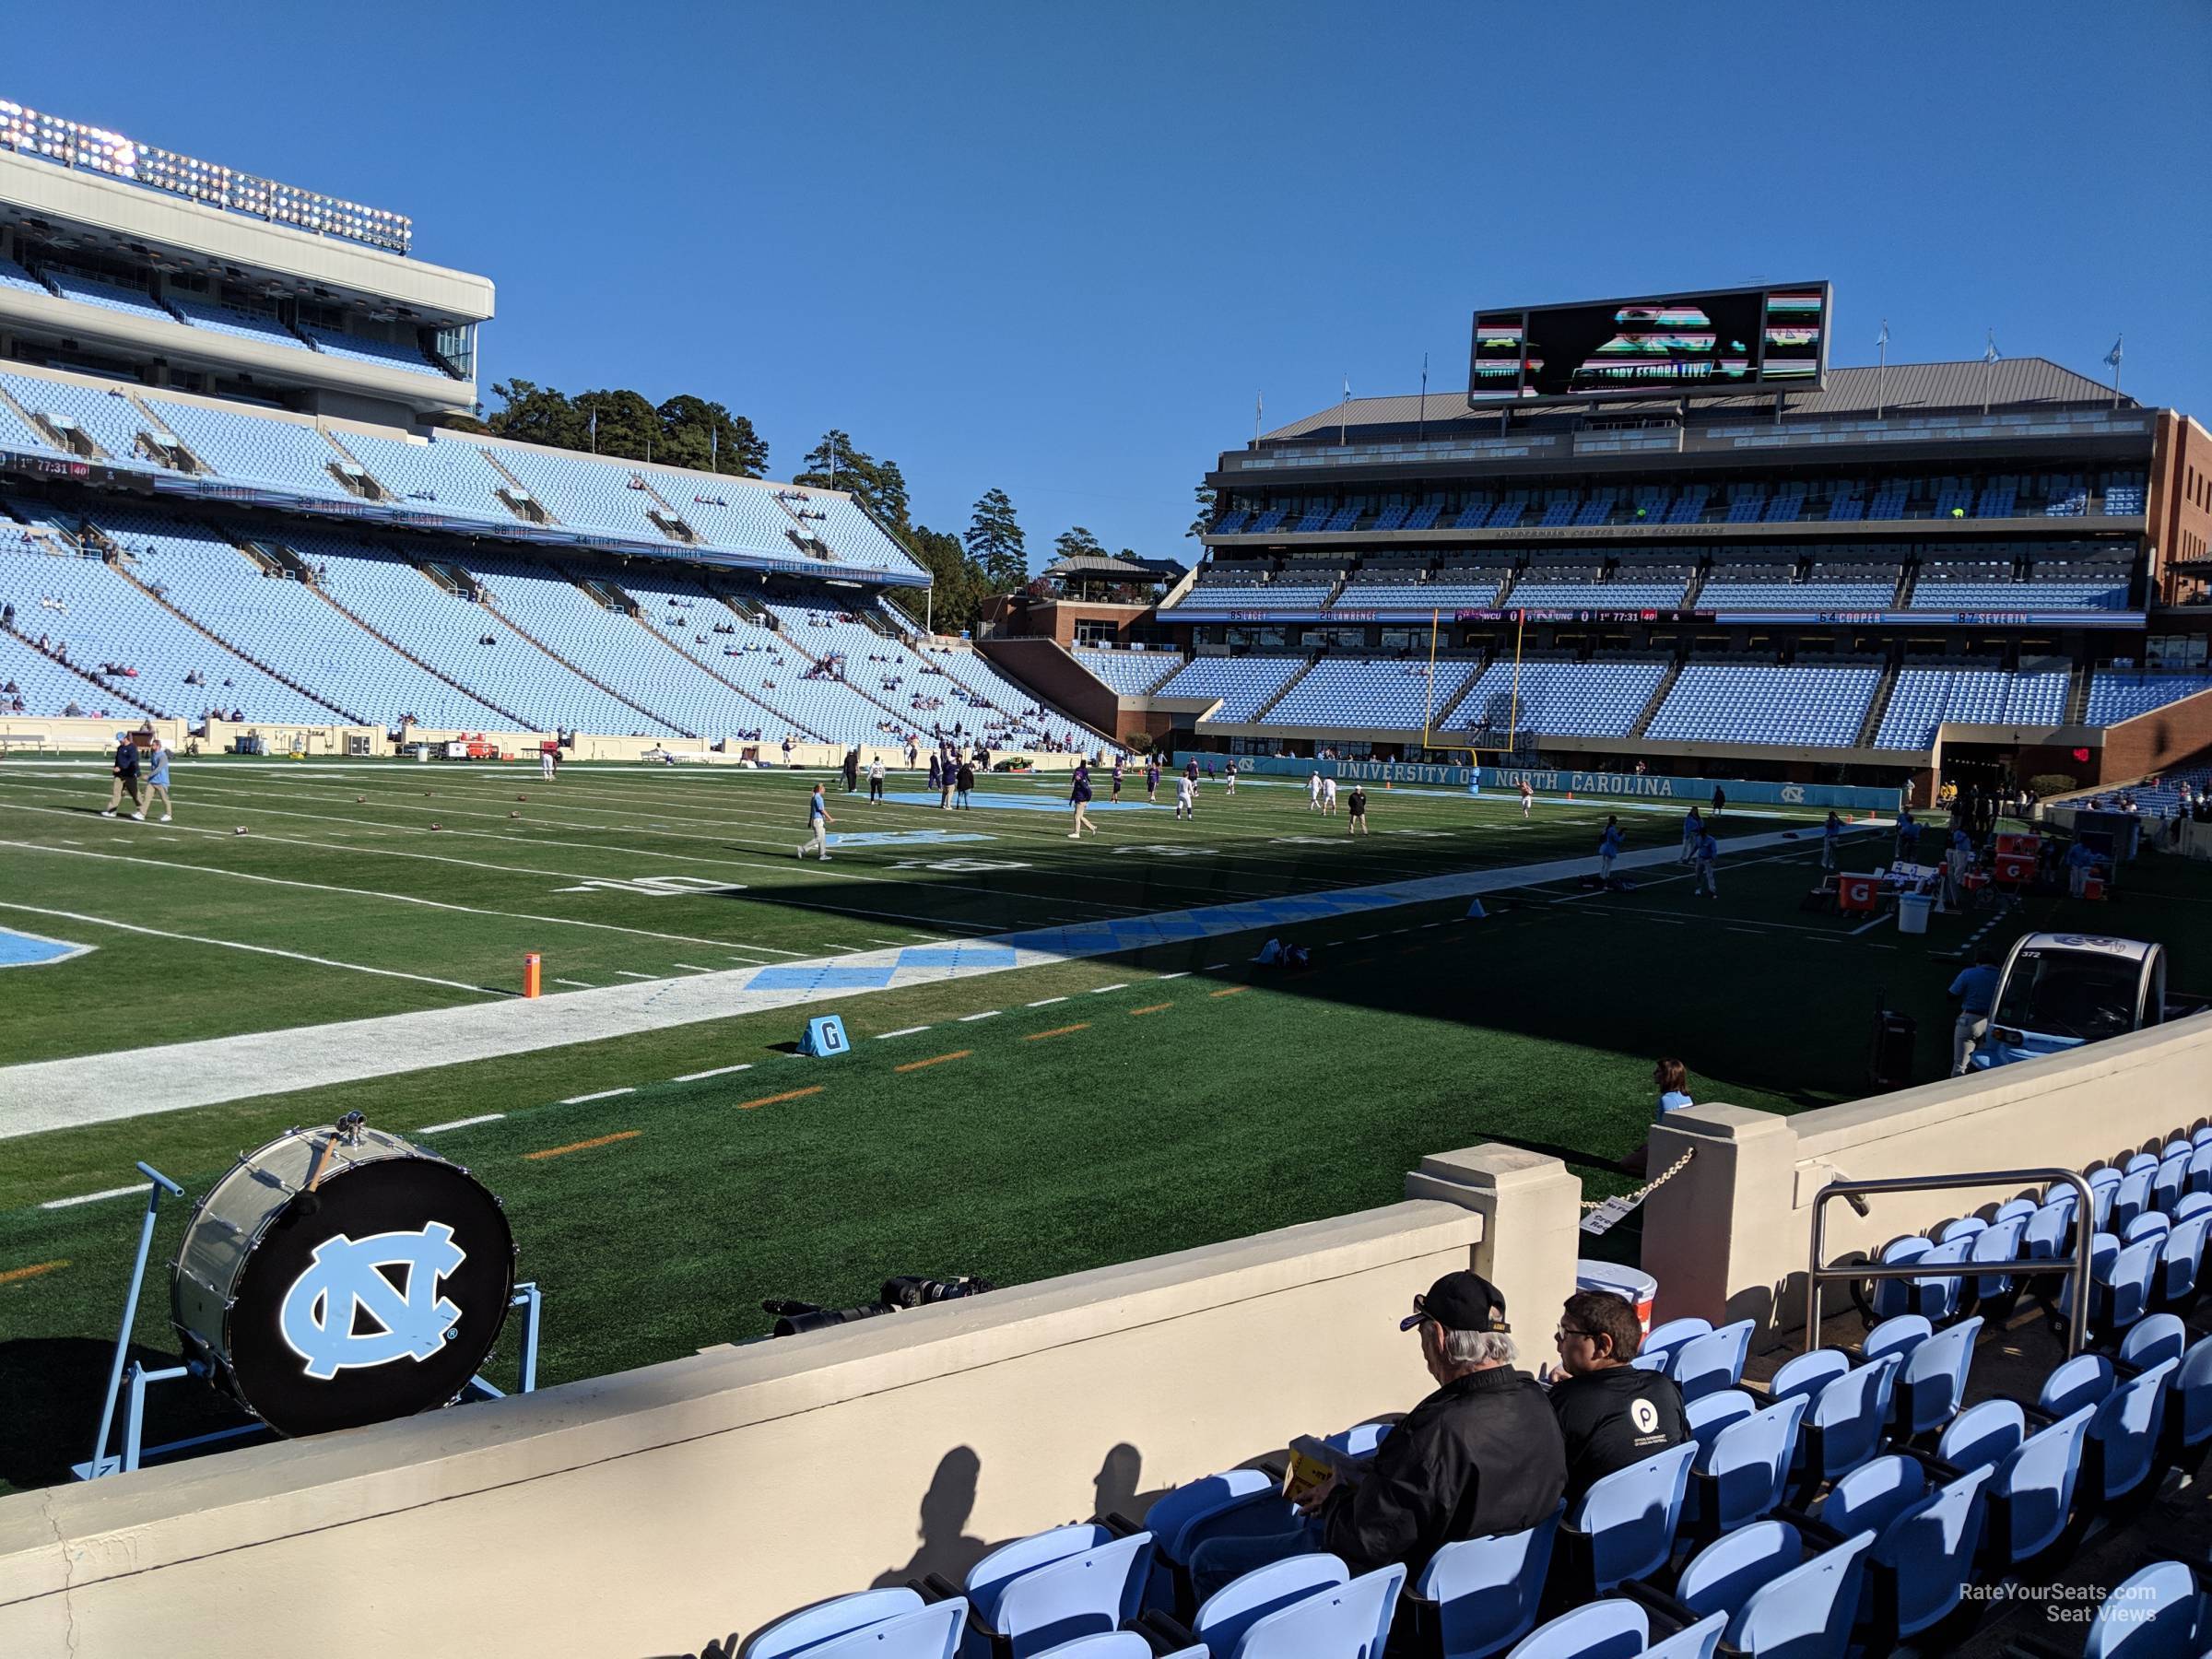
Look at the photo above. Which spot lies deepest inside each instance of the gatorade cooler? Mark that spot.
(1637, 1289)
(1856, 893)
(2092, 887)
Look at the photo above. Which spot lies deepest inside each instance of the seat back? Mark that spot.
(2172, 1178)
(2125, 1431)
(1708, 1415)
(1873, 1495)
(1892, 1297)
(1084, 1595)
(1850, 1414)
(1669, 1335)
(1965, 1226)
(1630, 1515)
(1175, 1514)
(1806, 1614)
(1933, 1381)
(1598, 1630)
(2084, 1379)
(2129, 1280)
(1348, 1621)
(1232, 1610)
(2133, 1196)
(1748, 1464)
(1983, 1436)
(2155, 1614)
(1807, 1374)
(2196, 1200)
(2155, 1339)
(1700, 1640)
(1708, 1363)
(934, 1632)
(2199, 1176)
(1114, 1644)
(2032, 1493)
(2181, 1259)
(1937, 1298)
(825, 1621)
(2192, 1387)
(1901, 1334)
(1925, 1556)
(988, 1579)
(2045, 1238)
(1486, 1590)
(2004, 1242)
(2150, 1224)
(1723, 1575)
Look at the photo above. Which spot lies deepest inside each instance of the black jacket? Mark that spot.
(1482, 1454)
(1615, 1418)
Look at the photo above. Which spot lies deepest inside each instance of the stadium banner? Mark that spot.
(1561, 780)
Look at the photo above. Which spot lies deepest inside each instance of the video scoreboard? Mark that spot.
(1724, 340)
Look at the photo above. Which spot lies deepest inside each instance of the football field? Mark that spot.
(1061, 1055)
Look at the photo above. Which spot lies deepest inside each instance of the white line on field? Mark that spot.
(873, 940)
(604, 1094)
(1185, 973)
(1101, 990)
(1365, 937)
(1864, 926)
(633, 974)
(903, 1032)
(579, 985)
(695, 968)
(294, 956)
(468, 1123)
(93, 1197)
(719, 1071)
(1216, 966)
(986, 1014)
(1044, 1002)
(1426, 924)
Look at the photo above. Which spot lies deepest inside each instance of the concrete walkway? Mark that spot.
(98, 1089)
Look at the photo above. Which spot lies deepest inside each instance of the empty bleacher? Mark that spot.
(1131, 673)
(1923, 697)
(253, 449)
(1242, 684)
(1780, 588)
(1389, 694)
(1568, 699)
(108, 417)
(2117, 694)
(234, 319)
(363, 348)
(1803, 706)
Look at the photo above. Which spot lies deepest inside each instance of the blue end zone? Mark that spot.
(32, 950)
(1059, 803)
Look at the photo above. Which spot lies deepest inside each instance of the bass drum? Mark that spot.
(342, 1276)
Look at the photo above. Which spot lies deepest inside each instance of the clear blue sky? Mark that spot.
(1058, 247)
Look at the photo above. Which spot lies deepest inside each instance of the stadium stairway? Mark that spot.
(714, 674)
(1878, 708)
(1261, 712)
(1442, 719)
(904, 717)
(1650, 709)
(2077, 696)
(1906, 578)
(101, 687)
(527, 637)
(521, 722)
(122, 567)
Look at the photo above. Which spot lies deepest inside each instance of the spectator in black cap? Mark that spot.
(1481, 1454)
(1612, 1415)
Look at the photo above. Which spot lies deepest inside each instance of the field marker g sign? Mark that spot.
(825, 1036)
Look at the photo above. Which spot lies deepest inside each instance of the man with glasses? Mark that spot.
(1481, 1454)
(1611, 1416)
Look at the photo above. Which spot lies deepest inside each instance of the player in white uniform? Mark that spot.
(1313, 793)
(1186, 796)
(1528, 797)
(1328, 797)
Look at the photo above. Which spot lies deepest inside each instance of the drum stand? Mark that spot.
(137, 1378)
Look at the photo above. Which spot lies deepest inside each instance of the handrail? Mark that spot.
(2084, 1229)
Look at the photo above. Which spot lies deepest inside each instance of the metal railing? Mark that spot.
(1853, 1192)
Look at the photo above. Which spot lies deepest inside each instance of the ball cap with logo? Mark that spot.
(1460, 1301)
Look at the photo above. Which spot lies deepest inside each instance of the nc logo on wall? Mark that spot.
(1793, 795)
(322, 1315)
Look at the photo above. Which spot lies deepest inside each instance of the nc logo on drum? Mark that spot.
(325, 1302)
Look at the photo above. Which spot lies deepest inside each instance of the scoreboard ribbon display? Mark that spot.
(1723, 340)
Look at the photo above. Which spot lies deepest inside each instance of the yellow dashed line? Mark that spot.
(1056, 1031)
(937, 1060)
(1155, 1008)
(584, 1145)
(1233, 991)
(13, 1273)
(790, 1094)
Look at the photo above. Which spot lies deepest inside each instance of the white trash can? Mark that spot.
(1913, 913)
(1632, 1285)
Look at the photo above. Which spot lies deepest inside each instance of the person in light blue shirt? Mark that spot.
(1976, 989)
(1671, 1078)
(1709, 852)
(157, 777)
(1693, 829)
(2080, 861)
(1831, 837)
(1959, 857)
(1908, 837)
(1608, 848)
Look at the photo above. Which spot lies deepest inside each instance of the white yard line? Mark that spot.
(1101, 990)
(719, 1071)
(903, 1032)
(633, 973)
(695, 968)
(93, 1197)
(579, 985)
(296, 956)
(603, 1094)
(466, 1123)
(986, 1014)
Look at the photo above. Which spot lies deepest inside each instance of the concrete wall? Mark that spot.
(1041, 667)
(644, 1512)
(27, 734)
(1732, 1233)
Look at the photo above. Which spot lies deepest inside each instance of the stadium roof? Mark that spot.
(1909, 388)
(1095, 564)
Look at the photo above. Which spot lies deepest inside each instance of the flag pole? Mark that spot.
(1989, 368)
(1881, 379)
(1344, 412)
(1421, 431)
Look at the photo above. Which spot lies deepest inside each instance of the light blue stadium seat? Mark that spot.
(1480, 1595)
(1708, 1415)
(1932, 1384)
(107, 416)
(2158, 1612)
(2121, 1452)
(1742, 1472)
(1844, 1426)
(2153, 1341)
(933, 1632)
(1242, 683)
(1039, 1592)
(1983, 1435)
(2031, 1495)
(1733, 703)
(1779, 1601)
(1899, 1334)
(1658, 1347)
(1708, 1363)
(825, 1621)
(1618, 1629)
(1921, 1565)
(2085, 1379)
(1131, 673)
(260, 449)
(1807, 1374)
(1345, 1622)
(1624, 1527)
(1231, 1611)
(1357, 693)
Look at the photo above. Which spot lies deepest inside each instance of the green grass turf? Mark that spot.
(1210, 1117)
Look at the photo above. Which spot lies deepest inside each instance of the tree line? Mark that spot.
(966, 567)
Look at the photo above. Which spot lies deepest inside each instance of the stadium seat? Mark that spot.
(2158, 1612)
(1618, 1630)
(1900, 1335)
(1807, 1374)
(825, 1621)
(1843, 1429)
(934, 1632)
(2085, 1379)
(1480, 1595)
(1231, 1611)
(1624, 1527)
(1780, 1600)
(2032, 1494)
(1236, 1502)
(1931, 1385)
(1713, 1362)
(1921, 1563)
(1983, 1435)
(1658, 1350)
(2153, 1341)
(2120, 1455)
(1741, 1474)
(1052, 1587)
(1116, 1644)
(1708, 1415)
(2188, 1424)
